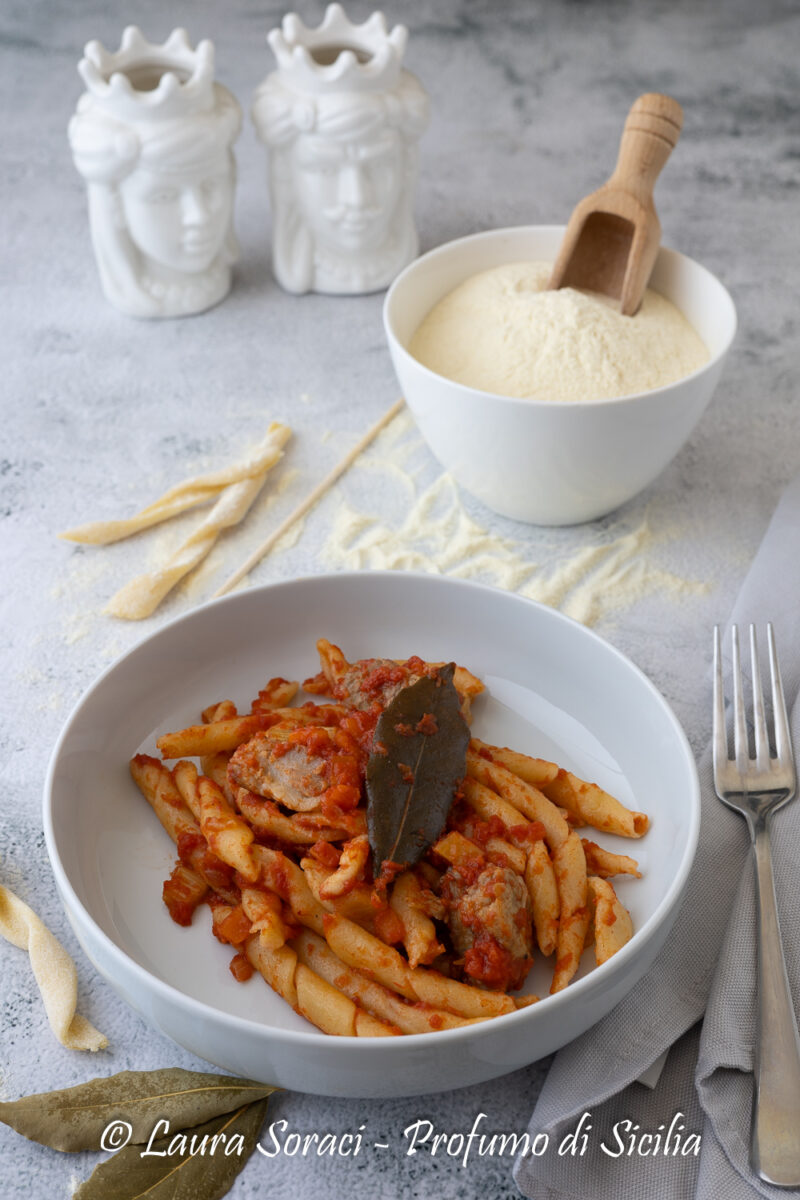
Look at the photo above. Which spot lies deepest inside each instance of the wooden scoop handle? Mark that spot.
(652, 128)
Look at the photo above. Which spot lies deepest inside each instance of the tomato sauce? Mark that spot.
(235, 927)
(387, 874)
(388, 926)
(326, 854)
(190, 840)
(380, 676)
(317, 685)
(240, 967)
(494, 966)
(427, 724)
(181, 897)
(531, 831)
(416, 666)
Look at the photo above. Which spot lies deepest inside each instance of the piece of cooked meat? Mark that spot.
(490, 922)
(374, 679)
(296, 777)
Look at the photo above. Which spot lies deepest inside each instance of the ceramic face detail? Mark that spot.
(179, 221)
(348, 190)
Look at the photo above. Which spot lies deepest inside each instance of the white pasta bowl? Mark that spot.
(551, 463)
(553, 689)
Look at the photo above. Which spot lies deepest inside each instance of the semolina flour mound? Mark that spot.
(501, 332)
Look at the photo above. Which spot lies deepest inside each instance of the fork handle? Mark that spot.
(775, 1135)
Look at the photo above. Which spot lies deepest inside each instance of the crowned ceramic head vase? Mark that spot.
(152, 137)
(341, 119)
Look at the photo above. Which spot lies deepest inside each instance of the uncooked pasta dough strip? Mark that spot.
(53, 970)
(102, 533)
(310, 500)
(142, 595)
(183, 496)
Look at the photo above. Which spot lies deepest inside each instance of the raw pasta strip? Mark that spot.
(142, 596)
(53, 970)
(103, 533)
(187, 494)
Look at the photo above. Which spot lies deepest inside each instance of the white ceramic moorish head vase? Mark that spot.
(341, 119)
(152, 137)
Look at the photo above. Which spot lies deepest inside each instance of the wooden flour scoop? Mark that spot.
(613, 235)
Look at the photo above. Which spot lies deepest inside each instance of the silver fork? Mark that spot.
(756, 788)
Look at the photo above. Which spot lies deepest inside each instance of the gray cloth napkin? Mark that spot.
(707, 966)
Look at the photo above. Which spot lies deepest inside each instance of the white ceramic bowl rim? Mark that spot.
(447, 248)
(361, 1046)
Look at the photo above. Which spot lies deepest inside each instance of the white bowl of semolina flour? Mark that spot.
(552, 407)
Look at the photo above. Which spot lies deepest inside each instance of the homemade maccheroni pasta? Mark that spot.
(385, 872)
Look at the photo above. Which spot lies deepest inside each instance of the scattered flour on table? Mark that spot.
(392, 453)
(501, 331)
(291, 537)
(83, 576)
(88, 576)
(610, 572)
(611, 569)
(37, 684)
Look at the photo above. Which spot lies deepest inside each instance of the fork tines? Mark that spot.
(782, 740)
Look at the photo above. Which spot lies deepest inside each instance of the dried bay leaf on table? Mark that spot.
(190, 1174)
(418, 760)
(74, 1118)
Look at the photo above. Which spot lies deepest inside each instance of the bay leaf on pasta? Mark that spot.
(418, 760)
(74, 1118)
